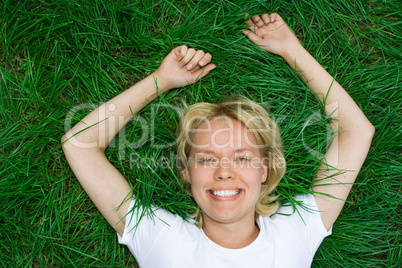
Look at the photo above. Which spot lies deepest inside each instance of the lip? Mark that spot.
(225, 188)
(229, 198)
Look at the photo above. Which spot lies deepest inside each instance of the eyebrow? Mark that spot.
(240, 150)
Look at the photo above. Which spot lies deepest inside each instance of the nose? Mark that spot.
(224, 170)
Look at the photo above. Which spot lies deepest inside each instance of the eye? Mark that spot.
(208, 160)
(242, 158)
(205, 160)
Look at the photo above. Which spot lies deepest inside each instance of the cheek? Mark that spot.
(198, 180)
(198, 177)
(197, 192)
(254, 179)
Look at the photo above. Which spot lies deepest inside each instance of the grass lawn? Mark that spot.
(59, 58)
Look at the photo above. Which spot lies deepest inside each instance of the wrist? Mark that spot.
(162, 84)
(294, 54)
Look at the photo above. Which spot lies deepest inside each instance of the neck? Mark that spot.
(231, 235)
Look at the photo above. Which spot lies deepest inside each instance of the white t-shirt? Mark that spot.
(166, 240)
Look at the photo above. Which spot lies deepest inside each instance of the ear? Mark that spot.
(188, 176)
(264, 173)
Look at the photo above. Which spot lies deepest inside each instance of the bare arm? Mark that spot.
(354, 132)
(84, 146)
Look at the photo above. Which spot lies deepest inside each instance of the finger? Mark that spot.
(246, 17)
(204, 71)
(187, 57)
(274, 17)
(252, 36)
(205, 60)
(258, 21)
(265, 17)
(199, 54)
(180, 52)
(250, 24)
(196, 68)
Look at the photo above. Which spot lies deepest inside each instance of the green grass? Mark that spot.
(55, 55)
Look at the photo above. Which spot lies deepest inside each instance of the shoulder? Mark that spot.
(296, 226)
(155, 230)
(139, 216)
(144, 222)
(304, 203)
(300, 216)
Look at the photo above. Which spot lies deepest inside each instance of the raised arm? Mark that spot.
(350, 146)
(85, 143)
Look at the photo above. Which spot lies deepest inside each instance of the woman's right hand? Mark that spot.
(183, 66)
(272, 34)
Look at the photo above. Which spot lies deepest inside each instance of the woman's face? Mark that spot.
(225, 171)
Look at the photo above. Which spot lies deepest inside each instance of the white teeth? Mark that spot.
(226, 193)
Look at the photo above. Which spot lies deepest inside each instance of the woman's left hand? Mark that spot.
(183, 66)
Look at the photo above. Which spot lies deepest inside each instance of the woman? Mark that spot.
(226, 167)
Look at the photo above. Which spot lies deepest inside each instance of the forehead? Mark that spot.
(221, 133)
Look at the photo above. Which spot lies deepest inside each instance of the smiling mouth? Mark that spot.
(225, 193)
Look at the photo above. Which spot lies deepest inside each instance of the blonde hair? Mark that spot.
(263, 128)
